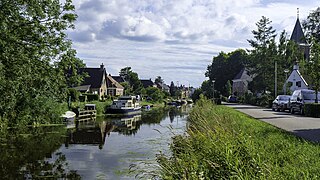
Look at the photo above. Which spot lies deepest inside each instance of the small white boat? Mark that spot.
(125, 105)
(69, 119)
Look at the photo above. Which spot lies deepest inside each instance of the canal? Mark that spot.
(109, 148)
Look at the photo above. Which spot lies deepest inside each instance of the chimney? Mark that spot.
(295, 66)
(102, 67)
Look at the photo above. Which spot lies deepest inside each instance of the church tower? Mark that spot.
(298, 37)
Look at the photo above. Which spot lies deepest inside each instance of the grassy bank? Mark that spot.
(222, 143)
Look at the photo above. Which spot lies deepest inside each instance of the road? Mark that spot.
(305, 127)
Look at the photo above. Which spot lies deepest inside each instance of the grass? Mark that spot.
(222, 143)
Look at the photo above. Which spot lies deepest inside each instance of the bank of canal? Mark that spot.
(117, 148)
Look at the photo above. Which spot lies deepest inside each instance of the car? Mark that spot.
(232, 99)
(301, 97)
(281, 103)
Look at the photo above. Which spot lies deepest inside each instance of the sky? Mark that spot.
(174, 39)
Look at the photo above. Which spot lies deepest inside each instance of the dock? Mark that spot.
(87, 115)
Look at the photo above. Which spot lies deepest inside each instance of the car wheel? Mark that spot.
(301, 111)
(273, 109)
(291, 110)
(278, 109)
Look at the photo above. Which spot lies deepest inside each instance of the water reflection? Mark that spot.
(104, 148)
(25, 154)
(128, 125)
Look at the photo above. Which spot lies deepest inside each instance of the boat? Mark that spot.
(69, 119)
(124, 105)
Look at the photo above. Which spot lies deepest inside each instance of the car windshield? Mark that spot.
(284, 98)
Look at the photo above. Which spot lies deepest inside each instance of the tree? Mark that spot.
(172, 89)
(32, 42)
(225, 67)
(133, 80)
(155, 93)
(228, 88)
(313, 67)
(312, 26)
(159, 80)
(263, 56)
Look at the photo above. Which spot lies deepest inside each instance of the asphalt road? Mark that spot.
(305, 127)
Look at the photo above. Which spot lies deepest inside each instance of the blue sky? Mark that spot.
(174, 39)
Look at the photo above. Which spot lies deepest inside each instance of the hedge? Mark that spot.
(312, 110)
(91, 97)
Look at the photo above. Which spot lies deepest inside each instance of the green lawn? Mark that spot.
(222, 143)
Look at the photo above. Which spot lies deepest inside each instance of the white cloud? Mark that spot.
(168, 33)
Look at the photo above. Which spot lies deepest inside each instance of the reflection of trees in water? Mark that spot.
(23, 154)
(154, 116)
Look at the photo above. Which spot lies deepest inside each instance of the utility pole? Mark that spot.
(275, 79)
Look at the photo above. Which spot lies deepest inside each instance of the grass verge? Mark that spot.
(222, 143)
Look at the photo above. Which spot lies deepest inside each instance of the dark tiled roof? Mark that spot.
(146, 83)
(113, 83)
(243, 75)
(297, 34)
(95, 76)
(119, 79)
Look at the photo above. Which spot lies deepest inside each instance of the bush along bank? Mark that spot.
(222, 143)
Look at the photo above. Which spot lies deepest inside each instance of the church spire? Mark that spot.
(297, 33)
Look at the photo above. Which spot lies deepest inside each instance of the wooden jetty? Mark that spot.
(87, 115)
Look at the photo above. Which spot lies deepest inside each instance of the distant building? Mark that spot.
(95, 82)
(298, 37)
(163, 87)
(147, 83)
(240, 82)
(114, 88)
(119, 79)
(98, 82)
(295, 80)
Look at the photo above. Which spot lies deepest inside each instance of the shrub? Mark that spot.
(92, 97)
(83, 98)
(312, 110)
(74, 94)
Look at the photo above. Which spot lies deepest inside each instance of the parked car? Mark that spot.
(281, 103)
(232, 99)
(301, 97)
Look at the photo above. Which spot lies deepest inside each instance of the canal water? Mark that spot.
(109, 148)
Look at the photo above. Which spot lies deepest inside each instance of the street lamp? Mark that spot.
(213, 89)
(285, 81)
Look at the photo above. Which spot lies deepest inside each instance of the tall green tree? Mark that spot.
(32, 42)
(312, 25)
(313, 67)
(133, 79)
(225, 67)
(263, 56)
(159, 80)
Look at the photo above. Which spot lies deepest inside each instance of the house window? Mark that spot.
(298, 83)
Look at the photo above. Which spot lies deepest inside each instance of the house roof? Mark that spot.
(242, 75)
(297, 34)
(83, 88)
(113, 83)
(147, 83)
(119, 79)
(95, 76)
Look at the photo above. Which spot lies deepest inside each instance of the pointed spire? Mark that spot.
(297, 33)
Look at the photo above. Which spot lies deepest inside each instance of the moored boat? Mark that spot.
(69, 119)
(124, 105)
